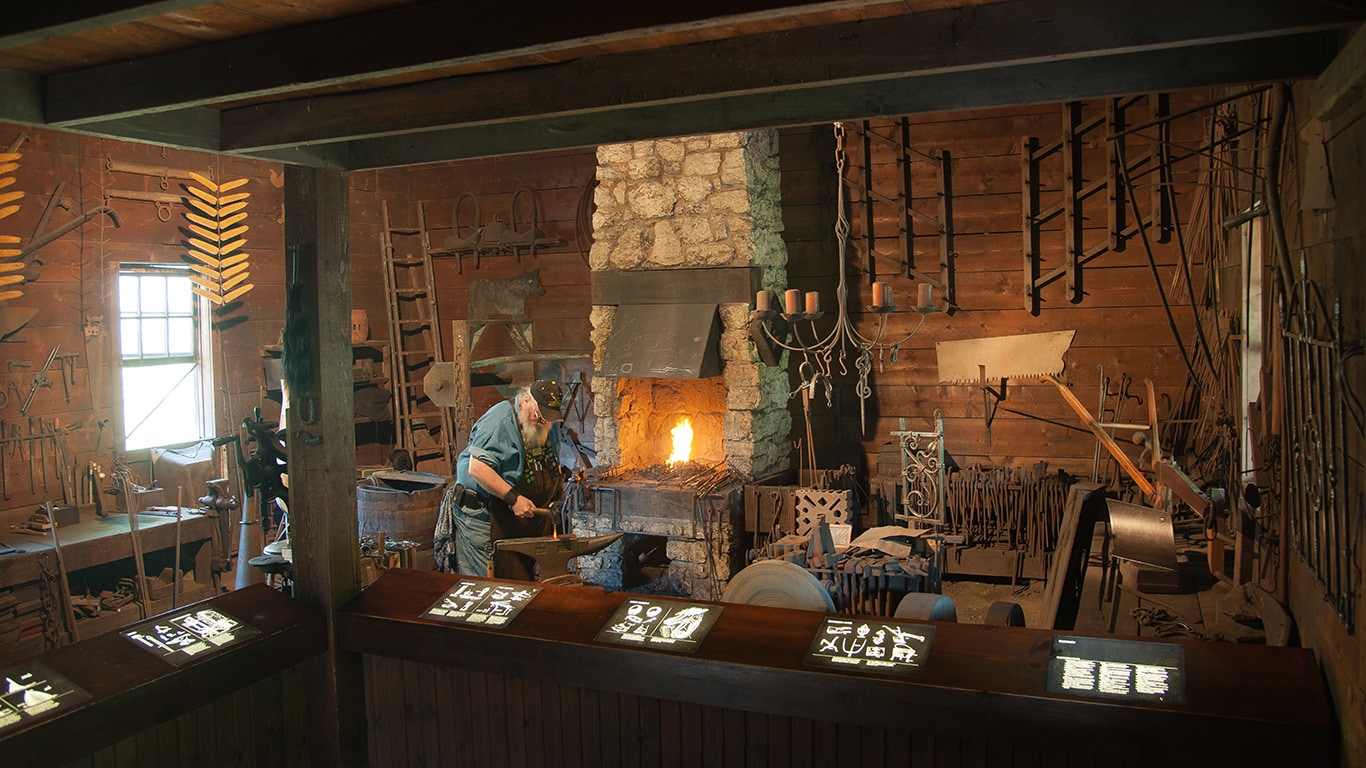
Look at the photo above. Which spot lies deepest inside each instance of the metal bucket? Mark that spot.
(402, 505)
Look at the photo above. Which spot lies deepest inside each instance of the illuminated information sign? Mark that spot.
(32, 690)
(664, 624)
(1118, 669)
(182, 637)
(871, 645)
(484, 603)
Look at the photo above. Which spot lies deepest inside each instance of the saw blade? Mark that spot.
(1025, 356)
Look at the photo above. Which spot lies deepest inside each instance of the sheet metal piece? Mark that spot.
(1142, 534)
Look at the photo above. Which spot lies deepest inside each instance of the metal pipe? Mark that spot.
(61, 574)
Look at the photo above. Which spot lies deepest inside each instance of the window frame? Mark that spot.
(199, 357)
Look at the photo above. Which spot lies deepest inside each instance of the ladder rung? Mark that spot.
(414, 322)
(411, 291)
(407, 262)
(426, 352)
(404, 230)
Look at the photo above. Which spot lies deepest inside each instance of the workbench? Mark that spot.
(103, 541)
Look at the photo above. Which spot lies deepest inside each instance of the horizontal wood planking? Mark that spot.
(1121, 323)
(76, 281)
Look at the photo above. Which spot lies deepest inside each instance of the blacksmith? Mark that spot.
(506, 477)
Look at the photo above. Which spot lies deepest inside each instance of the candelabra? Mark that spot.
(779, 329)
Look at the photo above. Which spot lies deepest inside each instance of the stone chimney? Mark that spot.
(690, 203)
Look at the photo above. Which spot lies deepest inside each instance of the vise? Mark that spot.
(553, 553)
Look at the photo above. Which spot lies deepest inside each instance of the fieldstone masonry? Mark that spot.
(691, 203)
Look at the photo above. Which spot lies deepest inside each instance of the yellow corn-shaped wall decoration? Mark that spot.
(10, 265)
(216, 239)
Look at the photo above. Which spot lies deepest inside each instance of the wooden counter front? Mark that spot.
(133, 691)
(982, 693)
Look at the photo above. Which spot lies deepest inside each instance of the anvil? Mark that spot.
(553, 553)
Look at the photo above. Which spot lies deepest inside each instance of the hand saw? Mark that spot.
(1025, 356)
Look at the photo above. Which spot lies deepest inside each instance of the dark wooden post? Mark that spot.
(322, 445)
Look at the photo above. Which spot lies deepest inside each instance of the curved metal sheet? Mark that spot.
(1142, 534)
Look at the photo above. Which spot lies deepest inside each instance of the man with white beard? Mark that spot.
(509, 470)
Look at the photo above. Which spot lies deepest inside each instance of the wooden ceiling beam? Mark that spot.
(893, 48)
(28, 22)
(388, 42)
(1227, 63)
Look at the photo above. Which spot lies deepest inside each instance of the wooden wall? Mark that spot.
(1120, 322)
(73, 281)
(558, 181)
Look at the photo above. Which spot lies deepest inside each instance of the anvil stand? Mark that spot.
(553, 553)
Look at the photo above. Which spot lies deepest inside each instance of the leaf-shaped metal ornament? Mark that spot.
(10, 263)
(215, 236)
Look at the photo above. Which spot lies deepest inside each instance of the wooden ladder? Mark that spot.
(423, 429)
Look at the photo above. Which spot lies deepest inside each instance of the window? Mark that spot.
(165, 379)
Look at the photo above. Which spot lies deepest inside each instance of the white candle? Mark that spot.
(794, 302)
(879, 294)
(763, 301)
(813, 302)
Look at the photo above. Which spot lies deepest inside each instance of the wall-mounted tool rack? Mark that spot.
(877, 199)
(478, 238)
(162, 200)
(161, 172)
(1078, 133)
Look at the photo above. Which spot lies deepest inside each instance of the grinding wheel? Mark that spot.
(1004, 613)
(778, 584)
(926, 606)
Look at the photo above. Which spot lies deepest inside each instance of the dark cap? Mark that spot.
(549, 398)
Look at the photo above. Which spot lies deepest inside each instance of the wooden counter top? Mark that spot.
(132, 689)
(1254, 704)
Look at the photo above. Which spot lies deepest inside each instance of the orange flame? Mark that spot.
(682, 441)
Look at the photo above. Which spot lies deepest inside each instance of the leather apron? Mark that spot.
(541, 483)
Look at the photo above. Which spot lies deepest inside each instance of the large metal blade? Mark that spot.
(1025, 356)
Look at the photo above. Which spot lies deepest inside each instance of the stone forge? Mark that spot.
(674, 207)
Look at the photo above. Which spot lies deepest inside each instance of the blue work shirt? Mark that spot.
(496, 440)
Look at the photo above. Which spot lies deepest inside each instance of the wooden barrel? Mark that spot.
(403, 505)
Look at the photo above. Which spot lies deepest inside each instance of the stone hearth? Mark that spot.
(691, 203)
